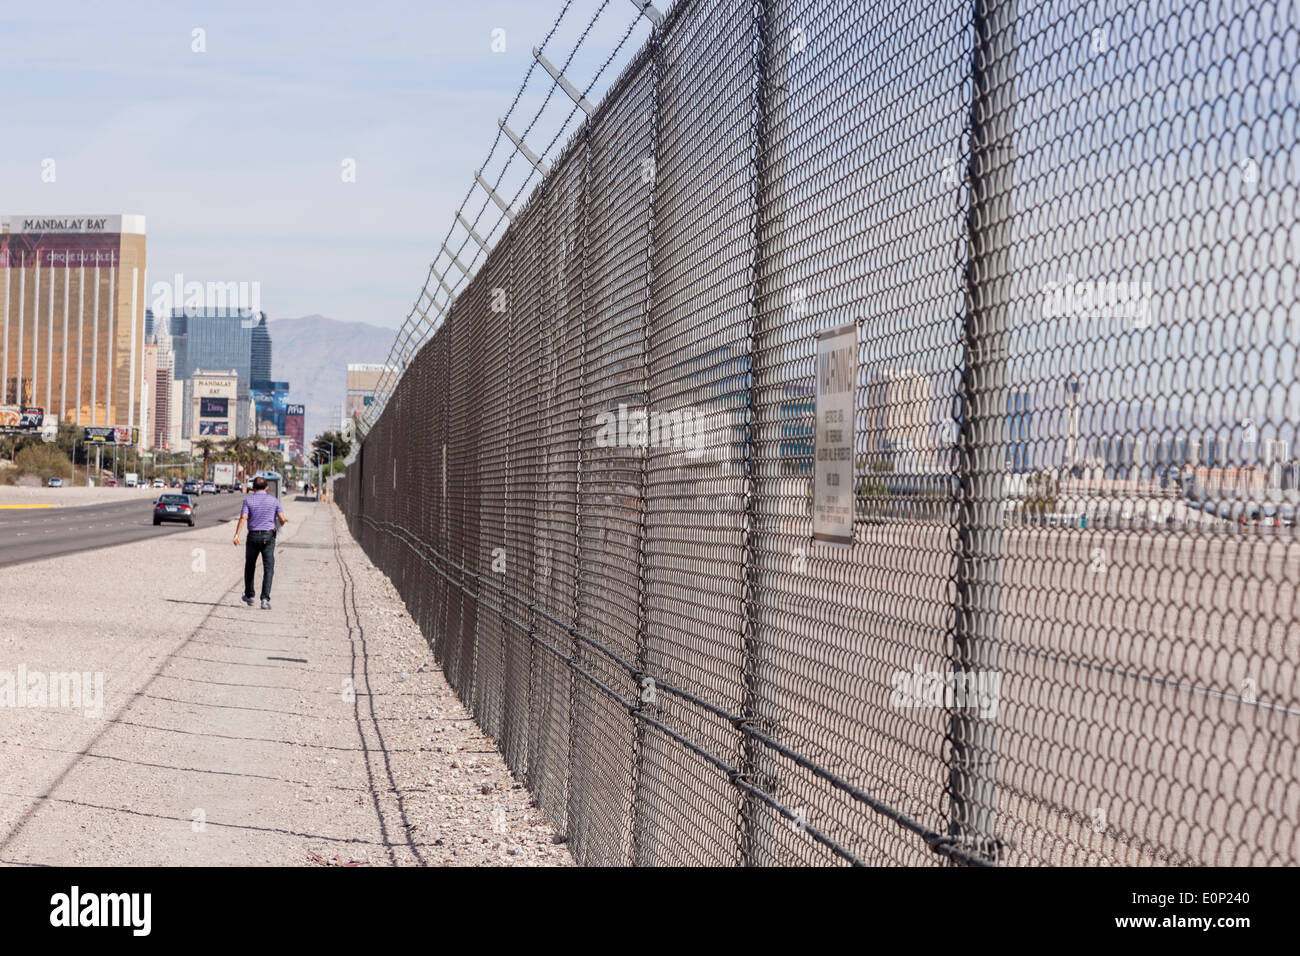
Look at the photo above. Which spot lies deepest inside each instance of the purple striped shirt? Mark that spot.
(261, 509)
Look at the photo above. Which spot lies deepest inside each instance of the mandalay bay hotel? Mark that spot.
(72, 304)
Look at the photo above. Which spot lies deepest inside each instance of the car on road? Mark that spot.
(192, 488)
(56, 482)
(112, 483)
(209, 488)
(173, 508)
(159, 483)
(1256, 515)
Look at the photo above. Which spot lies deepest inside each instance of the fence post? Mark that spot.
(644, 844)
(757, 836)
(973, 733)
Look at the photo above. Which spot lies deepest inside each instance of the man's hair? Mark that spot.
(259, 483)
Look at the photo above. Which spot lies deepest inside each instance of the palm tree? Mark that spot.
(207, 446)
(235, 448)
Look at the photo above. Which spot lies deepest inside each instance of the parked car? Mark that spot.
(173, 508)
(56, 482)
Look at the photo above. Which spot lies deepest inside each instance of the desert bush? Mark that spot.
(43, 461)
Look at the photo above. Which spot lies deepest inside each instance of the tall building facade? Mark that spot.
(220, 338)
(148, 381)
(160, 421)
(72, 296)
(162, 402)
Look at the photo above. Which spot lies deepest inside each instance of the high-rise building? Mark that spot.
(259, 369)
(72, 295)
(162, 402)
(362, 384)
(162, 386)
(148, 382)
(177, 440)
(227, 338)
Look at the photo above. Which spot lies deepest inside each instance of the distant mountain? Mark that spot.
(312, 354)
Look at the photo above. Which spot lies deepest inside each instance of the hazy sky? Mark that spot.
(235, 154)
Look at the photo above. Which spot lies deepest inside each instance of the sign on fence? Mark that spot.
(836, 375)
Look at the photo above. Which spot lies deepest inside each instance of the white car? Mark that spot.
(159, 483)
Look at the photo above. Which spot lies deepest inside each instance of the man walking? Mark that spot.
(264, 516)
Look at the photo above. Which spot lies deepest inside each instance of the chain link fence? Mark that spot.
(1065, 630)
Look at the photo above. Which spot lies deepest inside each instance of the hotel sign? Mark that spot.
(96, 224)
(215, 386)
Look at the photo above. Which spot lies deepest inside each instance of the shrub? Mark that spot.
(43, 461)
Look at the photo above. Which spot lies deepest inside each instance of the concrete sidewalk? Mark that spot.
(319, 732)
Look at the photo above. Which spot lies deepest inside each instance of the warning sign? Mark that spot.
(836, 376)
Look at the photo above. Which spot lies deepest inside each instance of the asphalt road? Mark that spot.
(36, 533)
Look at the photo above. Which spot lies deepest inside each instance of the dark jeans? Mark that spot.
(263, 543)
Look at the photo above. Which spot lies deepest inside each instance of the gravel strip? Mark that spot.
(318, 733)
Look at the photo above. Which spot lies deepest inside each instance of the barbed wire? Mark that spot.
(414, 332)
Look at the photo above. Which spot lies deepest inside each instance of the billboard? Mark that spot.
(110, 435)
(294, 426)
(214, 428)
(214, 407)
(270, 407)
(16, 419)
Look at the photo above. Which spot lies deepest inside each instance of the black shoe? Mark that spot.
(247, 599)
(266, 604)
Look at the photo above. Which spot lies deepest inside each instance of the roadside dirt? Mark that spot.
(320, 732)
